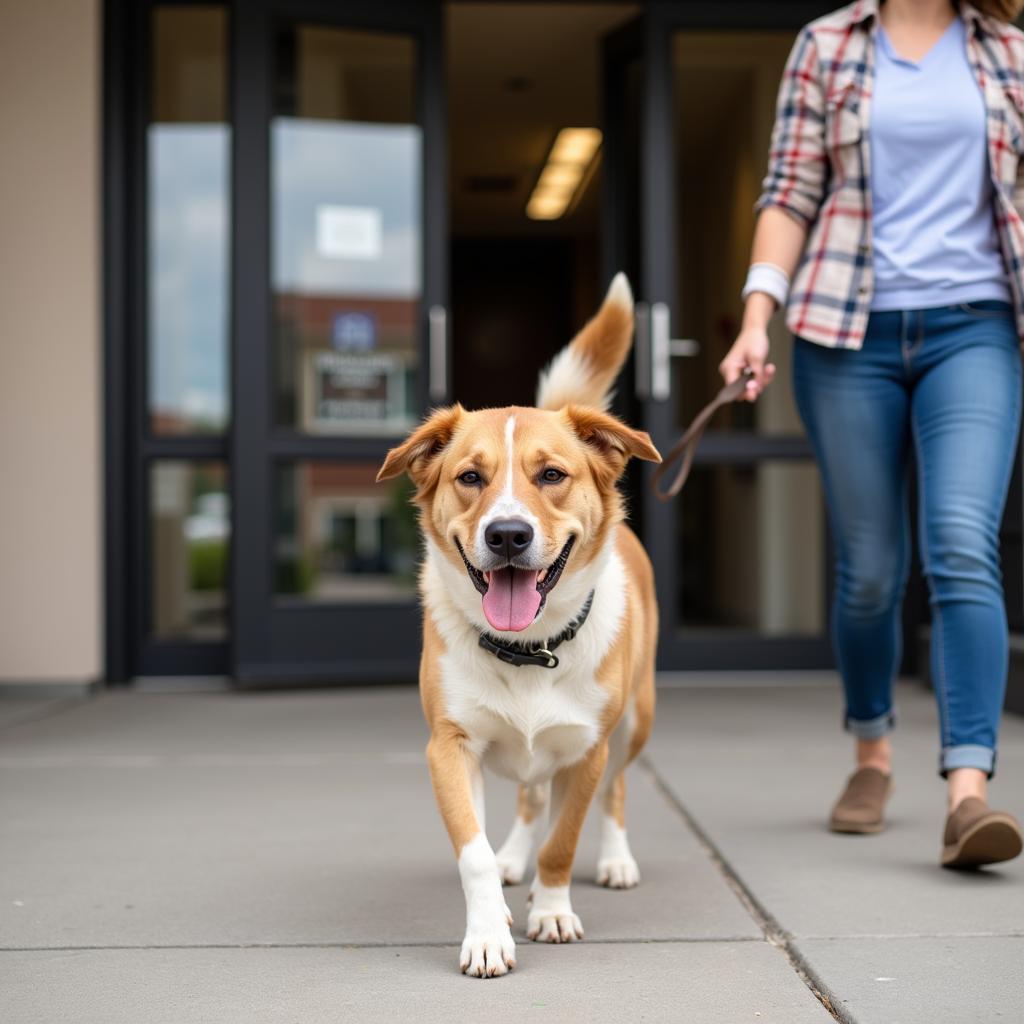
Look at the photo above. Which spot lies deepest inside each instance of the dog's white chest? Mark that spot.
(528, 727)
(534, 757)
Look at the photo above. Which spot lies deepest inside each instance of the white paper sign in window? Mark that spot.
(349, 232)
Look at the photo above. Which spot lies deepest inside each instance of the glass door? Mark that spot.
(167, 289)
(340, 330)
(741, 554)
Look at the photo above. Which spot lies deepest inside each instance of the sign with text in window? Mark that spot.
(349, 232)
(355, 393)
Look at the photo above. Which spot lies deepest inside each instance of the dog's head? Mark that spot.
(518, 500)
(518, 497)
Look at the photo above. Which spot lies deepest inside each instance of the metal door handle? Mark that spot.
(437, 338)
(662, 348)
(642, 363)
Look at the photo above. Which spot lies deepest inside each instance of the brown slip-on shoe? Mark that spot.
(977, 835)
(861, 808)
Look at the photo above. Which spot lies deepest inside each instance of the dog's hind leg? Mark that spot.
(616, 866)
(514, 855)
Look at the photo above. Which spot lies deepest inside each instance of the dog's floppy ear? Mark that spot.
(417, 453)
(610, 437)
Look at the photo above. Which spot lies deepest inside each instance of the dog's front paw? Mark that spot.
(488, 951)
(618, 872)
(551, 917)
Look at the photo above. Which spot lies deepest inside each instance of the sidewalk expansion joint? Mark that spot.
(896, 936)
(773, 931)
(57, 706)
(687, 940)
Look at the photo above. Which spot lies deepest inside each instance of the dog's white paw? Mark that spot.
(554, 927)
(616, 867)
(512, 870)
(551, 917)
(618, 872)
(488, 952)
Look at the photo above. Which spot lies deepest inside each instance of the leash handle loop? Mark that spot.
(686, 447)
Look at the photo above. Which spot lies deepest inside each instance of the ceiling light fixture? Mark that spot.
(570, 157)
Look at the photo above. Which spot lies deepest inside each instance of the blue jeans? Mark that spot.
(947, 381)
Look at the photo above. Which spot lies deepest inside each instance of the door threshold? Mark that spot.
(754, 678)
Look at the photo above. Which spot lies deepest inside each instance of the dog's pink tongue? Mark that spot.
(512, 599)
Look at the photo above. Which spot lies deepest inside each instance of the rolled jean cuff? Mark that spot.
(871, 728)
(967, 756)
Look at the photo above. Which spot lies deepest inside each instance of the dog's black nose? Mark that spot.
(508, 537)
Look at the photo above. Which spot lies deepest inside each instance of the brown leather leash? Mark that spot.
(686, 447)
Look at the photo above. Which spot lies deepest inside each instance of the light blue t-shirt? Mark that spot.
(935, 237)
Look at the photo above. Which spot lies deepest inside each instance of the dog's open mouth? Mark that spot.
(513, 597)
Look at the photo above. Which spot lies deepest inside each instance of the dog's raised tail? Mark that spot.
(585, 370)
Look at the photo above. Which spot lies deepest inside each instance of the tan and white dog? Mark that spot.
(527, 554)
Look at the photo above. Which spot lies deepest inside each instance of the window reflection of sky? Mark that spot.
(346, 164)
(188, 272)
(314, 163)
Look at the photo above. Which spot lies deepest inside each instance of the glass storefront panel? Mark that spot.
(189, 539)
(188, 161)
(752, 549)
(725, 86)
(346, 195)
(341, 537)
(750, 530)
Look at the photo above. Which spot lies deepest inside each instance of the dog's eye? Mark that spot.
(470, 478)
(552, 475)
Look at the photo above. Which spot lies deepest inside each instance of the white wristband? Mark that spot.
(767, 278)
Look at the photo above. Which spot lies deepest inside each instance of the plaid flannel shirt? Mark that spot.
(819, 166)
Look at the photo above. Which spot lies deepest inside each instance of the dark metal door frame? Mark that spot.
(276, 640)
(650, 41)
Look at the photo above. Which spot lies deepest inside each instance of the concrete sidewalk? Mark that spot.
(278, 857)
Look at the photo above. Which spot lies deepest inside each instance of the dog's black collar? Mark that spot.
(522, 654)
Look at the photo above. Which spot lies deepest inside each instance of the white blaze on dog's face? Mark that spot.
(517, 497)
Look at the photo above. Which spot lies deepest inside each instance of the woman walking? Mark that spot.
(893, 202)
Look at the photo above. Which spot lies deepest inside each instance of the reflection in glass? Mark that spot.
(346, 232)
(752, 549)
(340, 536)
(188, 153)
(189, 536)
(725, 86)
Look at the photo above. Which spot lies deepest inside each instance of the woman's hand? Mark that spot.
(750, 349)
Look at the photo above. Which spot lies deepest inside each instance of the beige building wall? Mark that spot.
(50, 354)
